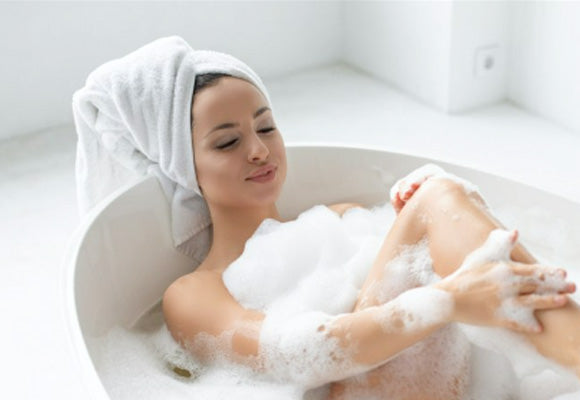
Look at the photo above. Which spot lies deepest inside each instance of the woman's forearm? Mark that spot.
(376, 334)
(313, 348)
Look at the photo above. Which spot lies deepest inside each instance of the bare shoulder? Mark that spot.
(340, 208)
(200, 303)
(197, 288)
(191, 301)
(195, 278)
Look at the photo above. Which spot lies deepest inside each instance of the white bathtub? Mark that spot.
(121, 259)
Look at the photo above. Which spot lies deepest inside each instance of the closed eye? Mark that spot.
(230, 143)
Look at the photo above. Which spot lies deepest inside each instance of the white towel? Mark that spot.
(132, 118)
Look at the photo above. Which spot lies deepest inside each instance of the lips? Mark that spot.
(262, 171)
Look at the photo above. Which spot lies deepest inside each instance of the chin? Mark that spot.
(263, 201)
(264, 198)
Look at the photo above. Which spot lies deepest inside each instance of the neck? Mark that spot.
(232, 227)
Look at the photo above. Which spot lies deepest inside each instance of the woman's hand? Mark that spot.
(404, 188)
(490, 289)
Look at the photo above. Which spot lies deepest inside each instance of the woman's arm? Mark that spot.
(315, 348)
(311, 348)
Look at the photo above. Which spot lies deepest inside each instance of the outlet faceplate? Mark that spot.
(486, 61)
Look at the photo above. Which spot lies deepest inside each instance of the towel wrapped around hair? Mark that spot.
(133, 118)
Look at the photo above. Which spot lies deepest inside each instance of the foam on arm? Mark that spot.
(314, 348)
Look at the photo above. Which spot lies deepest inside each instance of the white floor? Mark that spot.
(334, 104)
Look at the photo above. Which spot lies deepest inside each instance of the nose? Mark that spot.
(258, 150)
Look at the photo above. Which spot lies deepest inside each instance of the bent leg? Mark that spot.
(433, 368)
(452, 223)
(456, 225)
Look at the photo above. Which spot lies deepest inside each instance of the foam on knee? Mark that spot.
(431, 171)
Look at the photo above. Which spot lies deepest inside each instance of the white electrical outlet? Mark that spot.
(486, 61)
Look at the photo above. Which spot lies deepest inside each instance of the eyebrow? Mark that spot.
(232, 125)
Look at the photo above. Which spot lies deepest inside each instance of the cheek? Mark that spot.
(215, 176)
(281, 152)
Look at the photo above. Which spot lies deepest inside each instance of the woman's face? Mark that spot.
(234, 134)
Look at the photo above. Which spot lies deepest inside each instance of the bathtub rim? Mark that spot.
(86, 369)
(417, 156)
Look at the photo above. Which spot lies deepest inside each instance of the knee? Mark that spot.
(439, 191)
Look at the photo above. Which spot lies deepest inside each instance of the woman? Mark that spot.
(240, 163)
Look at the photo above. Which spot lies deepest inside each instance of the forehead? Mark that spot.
(229, 95)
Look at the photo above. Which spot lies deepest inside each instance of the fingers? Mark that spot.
(404, 188)
(399, 198)
(527, 270)
(409, 191)
(514, 234)
(527, 285)
(499, 244)
(519, 309)
(518, 313)
(409, 186)
(397, 203)
(541, 272)
(527, 322)
(545, 279)
(394, 190)
(543, 302)
(394, 194)
(533, 326)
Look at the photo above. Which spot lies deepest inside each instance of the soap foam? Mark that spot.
(497, 248)
(432, 171)
(441, 362)
(144, 362)
(300, 350)
(404, 290)
(417, 309)
(149, 365)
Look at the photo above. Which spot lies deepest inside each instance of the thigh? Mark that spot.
(407, 229)
(410, 375)
(453, 224)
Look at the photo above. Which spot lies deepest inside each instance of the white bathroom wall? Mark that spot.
(478, 29)
(427, 48)
(406, 44)
(49, 48)
(544, 70)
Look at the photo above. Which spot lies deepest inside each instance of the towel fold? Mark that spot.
(133, 118)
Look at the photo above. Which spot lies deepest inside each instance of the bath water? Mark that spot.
(144, 362)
